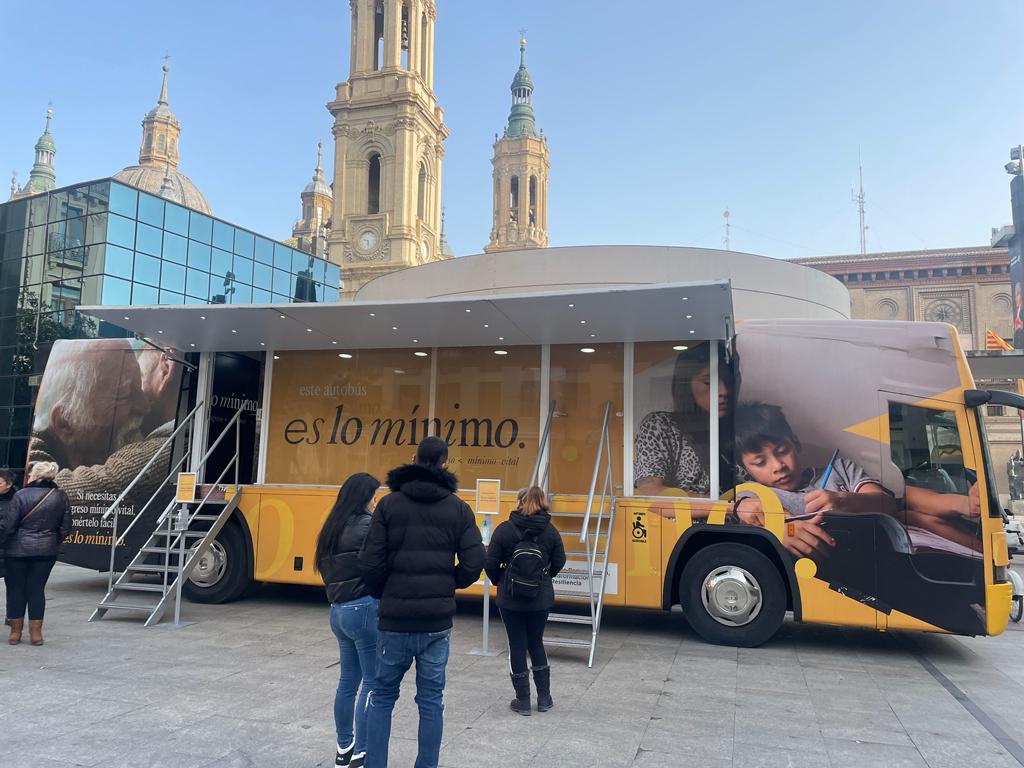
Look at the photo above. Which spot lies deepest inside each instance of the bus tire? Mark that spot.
(731, 594)
(223, 573)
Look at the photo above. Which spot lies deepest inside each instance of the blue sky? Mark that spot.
(658, 114)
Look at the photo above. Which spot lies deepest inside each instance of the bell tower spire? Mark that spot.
(160, 131)
(521, 164)
(388, 143)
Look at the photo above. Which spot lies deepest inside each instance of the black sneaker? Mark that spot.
(344, 756)
(357, 760)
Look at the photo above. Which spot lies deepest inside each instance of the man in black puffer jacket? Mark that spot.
(423, 544)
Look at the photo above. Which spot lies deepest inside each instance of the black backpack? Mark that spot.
(527, 567)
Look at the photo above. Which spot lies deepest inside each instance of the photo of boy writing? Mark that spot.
(769, 450)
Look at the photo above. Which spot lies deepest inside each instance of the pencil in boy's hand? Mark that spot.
(828, 469)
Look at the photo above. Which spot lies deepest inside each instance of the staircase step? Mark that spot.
(153, 568)
(160, 550)
(566, 642)
(126, 607)
(134, 586)
(205, 518)
(570, 618)
(188, 534)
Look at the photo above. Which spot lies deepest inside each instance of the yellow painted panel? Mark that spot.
(1000, 555)
(997, 607)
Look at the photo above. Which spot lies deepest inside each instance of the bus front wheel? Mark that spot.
(222, 572)
(732, 594)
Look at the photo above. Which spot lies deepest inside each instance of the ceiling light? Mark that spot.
(469, 310)
(373, 314)
(692, 331)
(159, 331)
(587, 350)
(263, 343)
(583, 322)
(334, 342)
(486, 325)
(415, 341)
(686, 298)
(680, 347)
(309, 330)
(127, 318)
(232, 330)
(191, 345)
(344, 355)
(501, 351)
(501, 338)
(420, 354)
(394, 327)
(201, 317)
(689, 317)
(399, 371)
(571, 306)
(277, 357)
(593, 335)
(282, 317)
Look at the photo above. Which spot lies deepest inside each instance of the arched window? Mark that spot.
(513, 200)
(378, 35)
(421, 193)
(422, 44)
(149, 140)
(160, 142)
(373, 185)
(533, 200)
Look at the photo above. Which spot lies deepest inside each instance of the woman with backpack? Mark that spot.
(353, 612)
(525, 554)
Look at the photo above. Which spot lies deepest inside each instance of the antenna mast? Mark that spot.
(858, 198)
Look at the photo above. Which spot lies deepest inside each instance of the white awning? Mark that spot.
(666, 312)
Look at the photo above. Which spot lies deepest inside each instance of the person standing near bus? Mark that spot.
(525, 554)
(353, 613)
(33, 526)
(423, 544)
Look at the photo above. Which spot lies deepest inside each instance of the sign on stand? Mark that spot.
(488, 504)
(186, 490)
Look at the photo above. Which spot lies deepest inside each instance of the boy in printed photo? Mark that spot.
(769, 451)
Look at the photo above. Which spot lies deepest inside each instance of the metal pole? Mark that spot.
(713, 419)
(182, 526)
(487, 613)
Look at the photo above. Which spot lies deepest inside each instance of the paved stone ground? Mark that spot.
(251, 684)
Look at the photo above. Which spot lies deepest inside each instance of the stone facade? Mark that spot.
(389, 133)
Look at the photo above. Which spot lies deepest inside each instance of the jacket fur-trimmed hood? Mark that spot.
(421, 483)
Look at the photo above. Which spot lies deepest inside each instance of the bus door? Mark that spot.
(930, 564)
(237, 383)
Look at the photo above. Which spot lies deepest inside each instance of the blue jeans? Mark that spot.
(395, 653)
(355, 625)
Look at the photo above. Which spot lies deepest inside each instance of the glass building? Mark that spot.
(107, 243)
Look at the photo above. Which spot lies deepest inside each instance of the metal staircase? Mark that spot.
(182, 535)
(595, 534)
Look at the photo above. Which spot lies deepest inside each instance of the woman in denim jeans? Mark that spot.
(353, 612)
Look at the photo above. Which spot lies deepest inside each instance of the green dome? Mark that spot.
(521, 120)
(45, 142)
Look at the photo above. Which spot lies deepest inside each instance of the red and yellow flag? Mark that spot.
(993, 341)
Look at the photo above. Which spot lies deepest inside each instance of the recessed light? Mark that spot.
(263, 343)
(486, 325)
(583, 322)
(420, 354)
(501, 338)
(344, 355)
(686, 298)
(394, 327)
(469, 310)
(373, 314)
(680, 347)
(689, 317)
(127, 318)
(587, 350)
(191, 345)
(593, 335)
(571, 306)
(334, 342)
(277, 357)
(282, 317)
(232, 330)
(309, 330)
(201, 317)
(159, 331)
(415, 341)
(399, 371)
(501, 352)
(692, 331)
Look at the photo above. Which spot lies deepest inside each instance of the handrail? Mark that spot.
(149, 463)
(138, 515)
(543, 444)
(209, 452)
(597, 467)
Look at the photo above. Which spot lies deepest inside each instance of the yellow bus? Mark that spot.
(833, 469)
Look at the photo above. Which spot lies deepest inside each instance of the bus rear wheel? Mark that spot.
(222, 572)
(732, 594)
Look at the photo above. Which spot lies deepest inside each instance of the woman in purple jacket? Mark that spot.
(32, 529)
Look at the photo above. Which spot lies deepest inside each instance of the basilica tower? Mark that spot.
(388, 134)
(310, 231)
(520, 173)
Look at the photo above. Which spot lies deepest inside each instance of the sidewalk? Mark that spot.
(252, 684)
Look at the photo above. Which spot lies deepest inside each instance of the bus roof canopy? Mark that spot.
(662, 312)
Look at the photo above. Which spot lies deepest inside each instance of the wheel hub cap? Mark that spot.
(211, 566)
(731, 595)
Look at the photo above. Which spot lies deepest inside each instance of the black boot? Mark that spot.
(521, 682)
(542, 679)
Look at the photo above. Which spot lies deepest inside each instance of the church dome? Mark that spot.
(179, 189)
(318, 186)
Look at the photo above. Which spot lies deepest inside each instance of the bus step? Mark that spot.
(125, 607)
(152, 568)
(134, 586)
(205, 518)
(570, 618)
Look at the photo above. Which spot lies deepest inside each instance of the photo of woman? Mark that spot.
(672, 449)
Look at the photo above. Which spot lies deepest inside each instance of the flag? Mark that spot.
(994, 341)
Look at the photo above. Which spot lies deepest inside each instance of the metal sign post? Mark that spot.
(488, 504)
